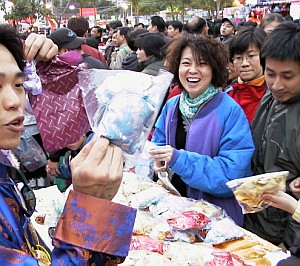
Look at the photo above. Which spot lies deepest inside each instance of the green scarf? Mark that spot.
(189, 107)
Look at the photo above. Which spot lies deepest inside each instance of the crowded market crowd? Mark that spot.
(230, 112)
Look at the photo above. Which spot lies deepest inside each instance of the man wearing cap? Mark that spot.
(67, 41)
(227, 31)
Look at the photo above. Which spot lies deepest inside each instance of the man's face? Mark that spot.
(114, 39)
(152, 28)
(283, 79)
(226, 29)
(172, 32)
(12, 100)
(95, 33)
(120, 39)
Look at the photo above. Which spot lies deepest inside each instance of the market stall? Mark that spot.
(169, 229)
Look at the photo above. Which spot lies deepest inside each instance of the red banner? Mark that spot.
(87, 11)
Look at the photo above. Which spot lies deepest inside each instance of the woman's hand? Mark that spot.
(281, 200)
(162, 155)
(98, 169)
(295, 187)
(52, 168)
(40, 47)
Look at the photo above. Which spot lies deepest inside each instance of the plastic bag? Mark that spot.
(30, 153)
(123, 105)
(248, 191)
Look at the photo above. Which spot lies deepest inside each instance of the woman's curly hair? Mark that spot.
(204, 48)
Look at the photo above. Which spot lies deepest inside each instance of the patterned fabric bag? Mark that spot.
(59, 110)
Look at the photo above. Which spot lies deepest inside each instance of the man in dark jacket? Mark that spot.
(67, 40)
(276, 131)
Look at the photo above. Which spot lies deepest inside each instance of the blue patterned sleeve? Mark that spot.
(92, 228)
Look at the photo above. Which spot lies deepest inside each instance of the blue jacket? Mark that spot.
(218, 148)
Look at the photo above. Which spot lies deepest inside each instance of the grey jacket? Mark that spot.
(276, 135)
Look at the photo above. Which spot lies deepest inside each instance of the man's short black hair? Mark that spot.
(283, 43)
(159, 23)
(11, 40)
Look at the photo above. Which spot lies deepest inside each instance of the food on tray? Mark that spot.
(248, 191)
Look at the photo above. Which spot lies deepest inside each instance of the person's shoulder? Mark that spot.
(94, 63)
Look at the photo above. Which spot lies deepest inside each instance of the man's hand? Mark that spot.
(295, 187)
(98, 169)
(39, 47)
(52, 168)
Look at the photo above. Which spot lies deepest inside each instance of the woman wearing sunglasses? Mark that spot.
(85, 233)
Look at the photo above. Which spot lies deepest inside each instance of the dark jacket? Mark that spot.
(276, 135)
(151, 66)
(130, 62)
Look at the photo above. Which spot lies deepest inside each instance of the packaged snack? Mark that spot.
(146, 243)
(248, 191)
(188, 220)
(123, 105)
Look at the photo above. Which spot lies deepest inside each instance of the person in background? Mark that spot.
(140, 25)
(122, 48)
(227, 31)
(253, 17)
(174, 28)
(80, 26)
(96, 32)
(158, 25)
(130, 61)
(86, 205)
(276, 130)
(271, 21)
(197, 25)
(202, 134)
(250, 85)
(150, 53)
(111, 28)
(67, 41)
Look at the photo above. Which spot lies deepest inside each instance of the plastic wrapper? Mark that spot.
(188, 220)
(147, 197)
(144, 223)
(163, 231)
(181, 253)
(146, 243)
(145, 258)
(248, 191)
(223, 258)
(207, 208)
(168, 206)
(123, 105)
(221, 231)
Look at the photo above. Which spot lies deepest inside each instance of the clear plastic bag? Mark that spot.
(123, 105)
(248, 191)
(30, 153)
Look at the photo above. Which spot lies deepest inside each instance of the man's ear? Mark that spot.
(85, 35)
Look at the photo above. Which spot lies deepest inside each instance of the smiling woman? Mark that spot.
(202, 134)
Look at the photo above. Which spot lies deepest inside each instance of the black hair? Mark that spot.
(196, 25)
(124, 31)
(11, 40)
(159, 23)
(114, 24)
(214, 53)
(78, 24)
(246, 37)
(270, 18)
(132, 35)
(283, 43)
(176, 24)
(151, 43)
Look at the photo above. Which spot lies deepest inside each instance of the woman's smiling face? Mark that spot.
(194, 77)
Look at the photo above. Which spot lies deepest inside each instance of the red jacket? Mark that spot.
(248, 95)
